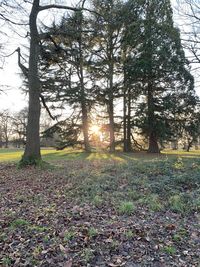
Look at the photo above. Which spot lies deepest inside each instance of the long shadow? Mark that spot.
(118, 156)
(74, 155)
(182, 154)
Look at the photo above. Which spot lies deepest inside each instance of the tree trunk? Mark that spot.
(32, 149)
(111, 124)
(1, 142)
(189, 145)
(110, 93)
(85, 128)
(129, 146)
(153, 142)
(85, 123)
(174, 145)
(125, 121)
(6, 142)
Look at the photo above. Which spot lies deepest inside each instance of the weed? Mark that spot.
(183, 232)
(18, 223)
(92, 232)
(169, 250)
(46, 239)
(154, 203)
(98, 201)
(129, 234)
(179, 164)
(114, 244)
(37, 250)
(6, 261)
(33, 262)
(126, 208)
(196, 203)
(176, 204)
(69, 235)
(87, 254)
(3, 237)
(134, 195)
(177, 238)
(38, 228)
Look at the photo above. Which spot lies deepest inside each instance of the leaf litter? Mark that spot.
(67, 216)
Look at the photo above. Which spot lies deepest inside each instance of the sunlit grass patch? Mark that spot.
(10, 155)
(182, 153)
(105, 156)
(50, 154)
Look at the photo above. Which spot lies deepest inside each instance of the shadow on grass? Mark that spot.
(182, 154)
(7, 155)
(65, 155)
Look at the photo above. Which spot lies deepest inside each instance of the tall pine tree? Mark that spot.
(160, 68)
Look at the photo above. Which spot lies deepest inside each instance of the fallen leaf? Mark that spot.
(68, 263)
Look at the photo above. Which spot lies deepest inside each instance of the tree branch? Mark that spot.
(46, 107)
(41, 8)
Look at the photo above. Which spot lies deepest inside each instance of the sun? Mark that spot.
(95, 129)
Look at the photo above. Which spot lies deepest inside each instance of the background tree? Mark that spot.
(131, 38)
(66, 78)
(105, 60)
(32, 149)
(19, 124)
(161, 68)
(5, 127)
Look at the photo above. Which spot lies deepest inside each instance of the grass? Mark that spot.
(50, 154)
(126, 208)
(169, 250)
(18, 223)
(7, 155)
(94, 206)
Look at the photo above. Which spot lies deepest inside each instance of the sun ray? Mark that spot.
(95, 129)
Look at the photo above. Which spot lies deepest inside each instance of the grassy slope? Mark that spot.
(101, 209)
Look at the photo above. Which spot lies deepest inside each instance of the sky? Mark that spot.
(12, 98)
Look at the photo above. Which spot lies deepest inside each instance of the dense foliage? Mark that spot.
(127, 59)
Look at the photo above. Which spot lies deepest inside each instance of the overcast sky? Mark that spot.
(12, 97)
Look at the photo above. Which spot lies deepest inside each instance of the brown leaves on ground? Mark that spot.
(53, 217)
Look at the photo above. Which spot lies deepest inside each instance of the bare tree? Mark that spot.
(5, 127)
(188, 18)
(32, 149)
(19, 124)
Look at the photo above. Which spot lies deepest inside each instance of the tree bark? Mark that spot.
(129, 146)
(125, 121)
(111, 124)
(110, 94)
(153, 141)
(85, 123)
(153, 144)
(189, 145)
(32, 148)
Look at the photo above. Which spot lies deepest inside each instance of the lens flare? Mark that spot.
(95, 129)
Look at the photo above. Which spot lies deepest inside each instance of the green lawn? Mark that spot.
(7, 155)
